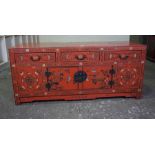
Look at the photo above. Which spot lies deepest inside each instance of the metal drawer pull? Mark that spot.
(80, 57)
(123, 57)
(35, 58)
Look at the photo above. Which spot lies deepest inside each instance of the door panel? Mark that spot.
(98, 77)
(128, 77)
(60, 79)
(74, 80)
(30, 82)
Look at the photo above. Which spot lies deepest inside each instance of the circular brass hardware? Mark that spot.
(35, 58)
(123, 57)
(80, 57)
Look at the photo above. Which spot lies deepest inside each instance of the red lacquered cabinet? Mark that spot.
(75, 71)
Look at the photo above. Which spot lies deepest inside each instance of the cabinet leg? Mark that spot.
(17, 101)
(139, 96)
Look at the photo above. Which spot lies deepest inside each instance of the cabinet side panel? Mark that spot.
(13, 74)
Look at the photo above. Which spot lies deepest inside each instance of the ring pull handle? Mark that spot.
(123, 57)
(80, 57)
(35, 58)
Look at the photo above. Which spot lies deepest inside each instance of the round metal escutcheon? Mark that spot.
(80, 76)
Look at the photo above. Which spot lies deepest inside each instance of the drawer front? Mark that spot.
(80, 56)
(24, 58)
(123, 55)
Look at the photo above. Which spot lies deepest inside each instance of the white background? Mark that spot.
(77, 17)
(77, 137)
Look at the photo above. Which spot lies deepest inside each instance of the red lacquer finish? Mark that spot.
(74, 71)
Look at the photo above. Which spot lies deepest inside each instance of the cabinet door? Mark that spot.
(98, 77)
(60, 79)
(70, 80)
(30, 81)
(128, 77)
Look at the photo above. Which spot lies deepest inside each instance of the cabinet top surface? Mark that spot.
(81, 44)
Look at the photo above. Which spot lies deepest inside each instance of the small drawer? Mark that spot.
(80, 56)
(123, 55)
(35, 58)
